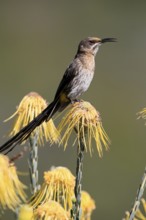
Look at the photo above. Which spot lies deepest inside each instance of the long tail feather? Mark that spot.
(25, 132)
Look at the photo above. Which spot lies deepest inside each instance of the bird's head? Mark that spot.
(91, 44)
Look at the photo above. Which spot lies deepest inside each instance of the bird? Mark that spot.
(75, 81)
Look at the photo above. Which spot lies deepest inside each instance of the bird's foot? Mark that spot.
(75, 100)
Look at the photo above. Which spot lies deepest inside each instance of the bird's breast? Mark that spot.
(80, 83)
(87, 62)
(82, 71)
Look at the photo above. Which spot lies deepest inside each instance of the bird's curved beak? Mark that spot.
(104, 40)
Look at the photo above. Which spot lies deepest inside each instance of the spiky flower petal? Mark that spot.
(30, 106)
(86, 121)
(11, 189)
(50, 210)
(142, 113)
(58, 185)
(127, 215)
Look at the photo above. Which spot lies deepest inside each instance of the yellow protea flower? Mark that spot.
(87, 205)
(50, 210)
(127, 216)
(25, 213)
(58, 185)
(86, 121)
(139, 214)
(30, 106)
(142, 114)
(11, 189)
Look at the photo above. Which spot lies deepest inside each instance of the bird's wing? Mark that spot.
(67, 78)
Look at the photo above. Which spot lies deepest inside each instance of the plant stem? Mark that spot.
(138, 196)
(78, 184)
(33, 162)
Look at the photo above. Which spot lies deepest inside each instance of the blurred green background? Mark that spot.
(38, 40)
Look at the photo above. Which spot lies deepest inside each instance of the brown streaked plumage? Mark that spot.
(76, 80)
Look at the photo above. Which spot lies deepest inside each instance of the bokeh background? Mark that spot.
(38, 39)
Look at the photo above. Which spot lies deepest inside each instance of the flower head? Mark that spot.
(25, 213)
(87, 205)
(50, 210)
(30, 106)
(141, 215)
(86, 121)
(142, 113)
(127, 215)
(58, 185)
(11, 189)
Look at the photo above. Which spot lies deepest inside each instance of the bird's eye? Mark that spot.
(91, 42)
